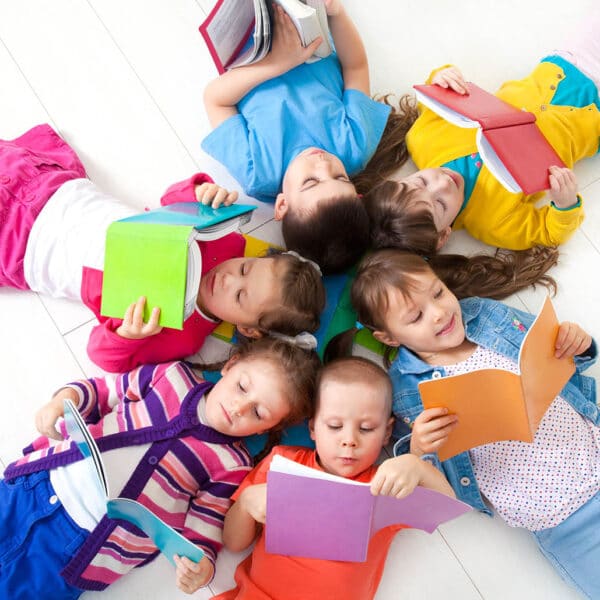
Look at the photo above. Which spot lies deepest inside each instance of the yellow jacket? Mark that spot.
(493, 214)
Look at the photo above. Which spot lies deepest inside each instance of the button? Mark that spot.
(153, 460)
(436, 375)
(543, 107)
(406, 419)
(465, 481)
(552, 87)
(4, 179)
(53, 499)
(559, 76)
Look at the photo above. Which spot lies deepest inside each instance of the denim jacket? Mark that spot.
(498, 327)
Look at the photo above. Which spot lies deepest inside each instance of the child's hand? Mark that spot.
(190, 576)
(571, 340)
(254, 501)
(215, 195)
(287, 50)
(563, 187)
(397, 476)
(451, 77)
(333, 7)
(46, 417)
(133, 326)
(430, 430)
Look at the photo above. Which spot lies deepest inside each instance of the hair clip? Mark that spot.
(306, 260)
(304, 340)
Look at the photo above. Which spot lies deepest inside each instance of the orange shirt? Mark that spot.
(264, 576)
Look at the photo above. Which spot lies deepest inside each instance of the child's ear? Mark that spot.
(249, 332)
(443, 237)
(385, 338)
(388, 430)
(281, 207)
(311, 429)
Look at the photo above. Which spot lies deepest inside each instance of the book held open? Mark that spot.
(495, 404)
(167, 540)
(155, 254)
(508, 139)
(240, 32)
(314, 514)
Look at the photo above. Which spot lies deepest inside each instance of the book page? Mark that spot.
(494, 164)
(228, 28)
(543, 375)
(445, 112)
(489, 404)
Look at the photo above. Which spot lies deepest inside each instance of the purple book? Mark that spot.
(317, 515)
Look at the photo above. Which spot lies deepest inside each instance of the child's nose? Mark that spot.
(348, 440)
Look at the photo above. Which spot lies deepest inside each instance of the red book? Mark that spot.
(508, 139)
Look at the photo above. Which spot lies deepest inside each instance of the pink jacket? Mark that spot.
(116, 354)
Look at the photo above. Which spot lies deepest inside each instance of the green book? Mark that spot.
(155, 254)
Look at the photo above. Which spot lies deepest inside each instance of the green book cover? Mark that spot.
(146, 259)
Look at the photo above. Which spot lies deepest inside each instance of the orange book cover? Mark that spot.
(494, 404)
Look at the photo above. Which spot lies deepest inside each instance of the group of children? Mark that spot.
(308, 137)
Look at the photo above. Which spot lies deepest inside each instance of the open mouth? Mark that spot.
(448, 328)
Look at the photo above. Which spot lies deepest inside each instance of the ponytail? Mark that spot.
(496, 276)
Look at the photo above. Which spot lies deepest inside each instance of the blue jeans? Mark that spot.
(37, 540)
(573, 547)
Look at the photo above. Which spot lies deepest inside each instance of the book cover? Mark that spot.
(494, 404)
(313, 514)
(509, 141)
(239, 32)
(155, 254)
(167, 540)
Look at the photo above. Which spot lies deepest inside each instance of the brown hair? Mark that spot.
(335, 235)
(302, 300)
(391, 152)
(298, 368)
(395, 224)
(355, 369)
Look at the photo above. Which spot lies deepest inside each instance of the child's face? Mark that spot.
(250, 398)
(350, 427)
(312, 176)
(441, 190)
(239, 290)
(427, 322)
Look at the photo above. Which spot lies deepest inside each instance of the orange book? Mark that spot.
(494, 404)
(508, 139)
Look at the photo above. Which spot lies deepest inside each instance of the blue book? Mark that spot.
(167, 540)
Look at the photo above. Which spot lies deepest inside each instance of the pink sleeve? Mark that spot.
(184, 191)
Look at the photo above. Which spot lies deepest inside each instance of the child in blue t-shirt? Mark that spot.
(293, 133)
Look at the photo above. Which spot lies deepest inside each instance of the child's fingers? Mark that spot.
(152, 327)
(231, 198)
(312, 47)
(137, 319)
(128, 316)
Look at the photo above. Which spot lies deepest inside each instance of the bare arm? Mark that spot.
(244, 519)
(222, 94)
(349, 47)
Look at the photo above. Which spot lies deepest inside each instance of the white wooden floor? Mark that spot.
(122, 82)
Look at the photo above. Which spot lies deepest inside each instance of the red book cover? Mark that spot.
(510, 143)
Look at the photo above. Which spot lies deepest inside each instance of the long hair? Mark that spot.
(302, 297)
(397, 223)
(335, 236)
(391, 152)
(298, 371)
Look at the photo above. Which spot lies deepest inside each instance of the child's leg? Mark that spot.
(38, 540)
(582, 47)
(573, 547)
(32, 168)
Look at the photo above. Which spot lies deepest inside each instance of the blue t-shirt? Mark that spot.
(304, 107)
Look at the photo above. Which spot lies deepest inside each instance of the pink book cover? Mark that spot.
(335, 518)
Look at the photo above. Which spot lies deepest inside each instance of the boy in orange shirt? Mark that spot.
(352, 423)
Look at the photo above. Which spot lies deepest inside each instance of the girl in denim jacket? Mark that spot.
(550, 486)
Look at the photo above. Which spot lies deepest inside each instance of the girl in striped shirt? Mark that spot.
(170, 440)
